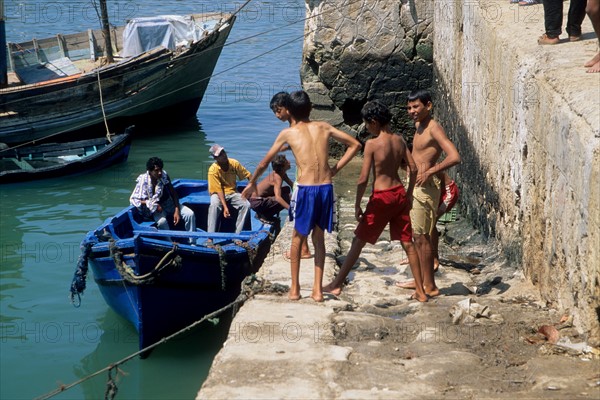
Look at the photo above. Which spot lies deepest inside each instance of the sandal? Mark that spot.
(545, 39)
(524, 3)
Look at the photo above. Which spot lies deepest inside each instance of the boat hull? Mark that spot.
(202, 279)
(133, 91)
(109, 154)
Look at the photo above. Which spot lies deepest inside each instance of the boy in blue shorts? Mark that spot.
(279, 105)
(389, 201)
(312, 205)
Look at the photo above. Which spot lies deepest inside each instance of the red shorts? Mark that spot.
(448, 198)
(390, 205)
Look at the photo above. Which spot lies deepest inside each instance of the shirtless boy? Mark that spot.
(448, 199)
(311, 208)
(389, 202)
(279, 105)
(271, 196)
(429, 142)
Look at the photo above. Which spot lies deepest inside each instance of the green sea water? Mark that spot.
(44, 340)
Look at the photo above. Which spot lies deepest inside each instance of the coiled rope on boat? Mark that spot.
(169, 260)
(250, 286)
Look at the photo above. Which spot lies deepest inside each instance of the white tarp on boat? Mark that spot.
(170, 31)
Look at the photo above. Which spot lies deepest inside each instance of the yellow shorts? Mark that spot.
(426, 199)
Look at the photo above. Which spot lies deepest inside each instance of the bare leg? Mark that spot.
(305, 250)
(305, 253)
(318, 238)
(593, 11)
(423, 245)
(335, 287)
(297, 240)
(435, 238)
(415, 268)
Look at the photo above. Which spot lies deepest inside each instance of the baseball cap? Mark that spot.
(215, 150)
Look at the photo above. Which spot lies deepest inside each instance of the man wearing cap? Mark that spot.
(222, 186)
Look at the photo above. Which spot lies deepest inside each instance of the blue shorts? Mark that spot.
(313, 205)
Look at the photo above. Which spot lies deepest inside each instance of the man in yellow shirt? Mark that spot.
(222, 186)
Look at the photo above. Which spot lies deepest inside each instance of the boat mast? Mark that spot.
(105, 31)
(3, 70)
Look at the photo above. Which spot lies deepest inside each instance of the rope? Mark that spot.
(250, 250)
(250, 286)
(102, 107)
(80, 276)
(200, 80)
(222, 263)
(111, 386)
(169, 260)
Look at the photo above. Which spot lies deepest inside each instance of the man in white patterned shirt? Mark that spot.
(156, 199)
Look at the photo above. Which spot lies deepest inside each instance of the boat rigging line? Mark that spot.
(228, 43)
(102, 107)
(250, 286)
(166, 94)
(201, 80)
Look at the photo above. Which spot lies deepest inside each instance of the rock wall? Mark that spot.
(525, 119)
(360, 50)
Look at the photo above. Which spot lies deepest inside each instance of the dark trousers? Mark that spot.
(553, 16)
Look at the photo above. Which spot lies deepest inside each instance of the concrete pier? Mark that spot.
(477, 340)
(518, 310)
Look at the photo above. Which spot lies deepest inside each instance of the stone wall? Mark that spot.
(360, 50)
(525, 119)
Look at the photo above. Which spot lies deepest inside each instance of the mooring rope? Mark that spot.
(250, 286)
(174, 261)
(222, 263)
(102, 107)
(80, 276)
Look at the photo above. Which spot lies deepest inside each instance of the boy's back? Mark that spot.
(387, 152)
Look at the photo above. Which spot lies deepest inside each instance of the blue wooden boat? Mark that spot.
(164, 280)
(51, 160)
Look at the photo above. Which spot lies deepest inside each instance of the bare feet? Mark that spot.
(407, 284)
(294, 296)
(336, 291)
(404, 261)
(593, 61)
(433, 293)
(419, 298)
(318, 297)
(594, 68)
(436, 264)
(545, 39)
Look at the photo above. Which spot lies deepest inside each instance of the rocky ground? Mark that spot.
(486, 336)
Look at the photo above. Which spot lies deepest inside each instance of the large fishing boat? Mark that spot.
(155, 68)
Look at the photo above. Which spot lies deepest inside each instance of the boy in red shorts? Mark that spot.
(389, 201)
